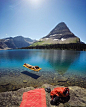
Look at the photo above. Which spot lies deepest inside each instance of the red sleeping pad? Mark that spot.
(34, 98)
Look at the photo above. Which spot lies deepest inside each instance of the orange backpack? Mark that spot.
(60, 92)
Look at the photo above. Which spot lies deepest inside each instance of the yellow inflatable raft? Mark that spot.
(34, 68)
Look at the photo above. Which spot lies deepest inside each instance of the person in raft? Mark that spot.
(30, 66)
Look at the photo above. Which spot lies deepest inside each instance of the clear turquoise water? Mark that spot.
(53, 63)
(49, 60)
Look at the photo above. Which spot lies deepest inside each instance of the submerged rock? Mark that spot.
(24, 81)
(14, 98)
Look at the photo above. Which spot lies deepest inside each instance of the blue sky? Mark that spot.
(36, 18)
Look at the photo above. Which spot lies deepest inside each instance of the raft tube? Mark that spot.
(37, 70)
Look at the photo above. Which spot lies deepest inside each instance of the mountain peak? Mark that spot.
(62, 23)
(61, 26)
(19, 37)
(15, 42)
(61, 34)
(61, 30)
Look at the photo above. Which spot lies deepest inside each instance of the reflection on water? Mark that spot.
(60, 67)
(79, 65)
(60, 60)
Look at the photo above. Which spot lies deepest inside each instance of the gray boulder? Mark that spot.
(14, 98)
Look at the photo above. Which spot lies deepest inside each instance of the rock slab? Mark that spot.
(14, 98)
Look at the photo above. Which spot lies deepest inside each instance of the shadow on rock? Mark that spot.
(57, 100)
(30, 74)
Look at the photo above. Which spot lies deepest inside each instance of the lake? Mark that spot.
(59, 67)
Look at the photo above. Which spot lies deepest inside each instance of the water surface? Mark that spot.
(60, 67)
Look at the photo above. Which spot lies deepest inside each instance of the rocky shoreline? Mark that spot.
(14, 98)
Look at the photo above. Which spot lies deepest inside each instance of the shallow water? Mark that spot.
(60, 67)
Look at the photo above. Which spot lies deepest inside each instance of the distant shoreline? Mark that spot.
(6, 49)
(71, 46)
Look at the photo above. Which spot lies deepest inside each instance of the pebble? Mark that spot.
(24, 81)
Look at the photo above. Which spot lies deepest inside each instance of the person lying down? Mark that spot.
(30, 66)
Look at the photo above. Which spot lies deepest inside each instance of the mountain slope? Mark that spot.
(59, 35)
(61, 30)
(16, 42)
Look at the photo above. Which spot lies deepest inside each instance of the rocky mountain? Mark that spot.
(59, 35)
(16, 42)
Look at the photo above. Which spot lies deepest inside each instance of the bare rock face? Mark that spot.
(16, 42)
(77, 97)
(14, 98)
(61, 35)
(60, 31)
